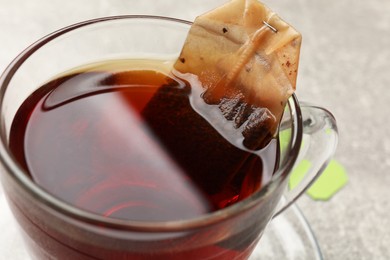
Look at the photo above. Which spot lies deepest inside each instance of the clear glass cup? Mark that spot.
(56, 230)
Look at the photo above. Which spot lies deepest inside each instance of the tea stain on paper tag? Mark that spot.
(333, 179)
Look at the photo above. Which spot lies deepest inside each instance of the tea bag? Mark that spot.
(246, 59)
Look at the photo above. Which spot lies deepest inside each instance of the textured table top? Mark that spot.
(345, 64)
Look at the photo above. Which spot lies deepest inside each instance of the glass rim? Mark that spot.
(12, 168)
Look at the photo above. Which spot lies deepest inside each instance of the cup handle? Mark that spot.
(319, 143)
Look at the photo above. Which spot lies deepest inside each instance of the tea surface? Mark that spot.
(137, 144)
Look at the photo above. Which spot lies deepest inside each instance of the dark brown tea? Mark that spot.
(130, 140)
(136, 144)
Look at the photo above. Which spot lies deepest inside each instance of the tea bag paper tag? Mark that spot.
(232, 47)
(332, 179)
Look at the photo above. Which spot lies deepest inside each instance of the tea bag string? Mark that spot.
(249, 50)
(270, 26)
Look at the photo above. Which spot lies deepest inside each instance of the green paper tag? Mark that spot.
(332, 179)
(298, 173)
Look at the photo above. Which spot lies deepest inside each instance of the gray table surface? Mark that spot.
(345, 64)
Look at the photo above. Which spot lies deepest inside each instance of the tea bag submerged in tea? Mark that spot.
(246, 59)
(234, 76)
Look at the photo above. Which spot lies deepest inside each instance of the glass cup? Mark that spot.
(56, 230)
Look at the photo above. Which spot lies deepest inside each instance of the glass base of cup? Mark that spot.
(288, 237)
